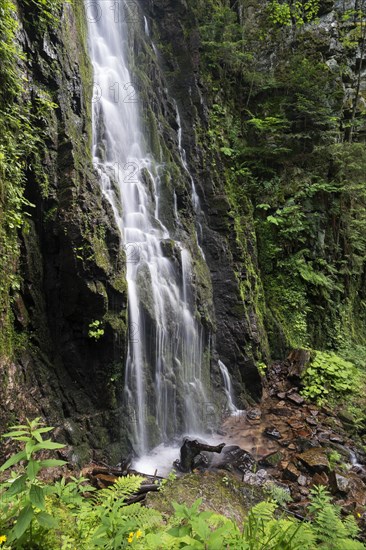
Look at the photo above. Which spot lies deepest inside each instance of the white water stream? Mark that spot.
(164, 386)
(228, 388)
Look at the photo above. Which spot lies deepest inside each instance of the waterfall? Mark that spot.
(194, 195)
(228, 388)
(165, 368)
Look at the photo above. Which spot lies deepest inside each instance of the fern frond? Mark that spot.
(347, 544)
(122, 488)
(328, 526)
(351, 526)
(263, 511)
(146, 517)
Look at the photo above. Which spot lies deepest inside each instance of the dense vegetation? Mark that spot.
(23, 122)
(288, 115)
(72, 514)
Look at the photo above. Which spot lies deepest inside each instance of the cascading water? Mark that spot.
(164, 369)
(195, 197)
(228, 388)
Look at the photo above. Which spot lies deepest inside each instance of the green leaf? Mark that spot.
(29, 448)
(19, 427)
(23, 521)
(37, 497)
(33, 469)
(13, 460)
(15, 433)
(17, 486)
(45, 430)
(52, 463)
(48, 444)
(37, 436)
(46, 520)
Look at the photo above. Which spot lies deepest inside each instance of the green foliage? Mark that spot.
(329, 374)
(23, 495)
(330, 530)
(96, 330)
(23, 136)
(41, 13)
(278, 494)
(335, 460)
(262, 368)
(296, 12)
(281, 130)
(72, 514)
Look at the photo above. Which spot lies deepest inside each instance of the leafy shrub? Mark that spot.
(22, 496)
(328, 373)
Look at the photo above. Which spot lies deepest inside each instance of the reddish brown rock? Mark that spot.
(315, 459)
(291, 472)
(320, 479)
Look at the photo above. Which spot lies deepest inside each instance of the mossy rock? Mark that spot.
(220, 493)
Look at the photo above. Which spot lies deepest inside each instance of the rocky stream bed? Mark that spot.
(284, 441)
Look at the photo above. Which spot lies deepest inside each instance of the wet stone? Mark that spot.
(272, 433)
(281, 411)
(336, 439)
(320, 479)
(234, 458)
(301, 480)
(323, 436)
(312, 421)
(254, 414)
(259, 478)
(304, 444)
(295, 398)
(271, 460)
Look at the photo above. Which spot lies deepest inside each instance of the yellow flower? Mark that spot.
(130, 537)
(2, 539)
(138, 534)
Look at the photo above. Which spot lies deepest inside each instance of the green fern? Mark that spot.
(330, 530)
(122, 489)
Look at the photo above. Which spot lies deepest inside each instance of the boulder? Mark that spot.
(271, 460)
(315, 460)
(339, 483)
(233, 458)
(291, 472)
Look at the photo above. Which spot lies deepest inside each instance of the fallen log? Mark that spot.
(148, 487)
(190, 450)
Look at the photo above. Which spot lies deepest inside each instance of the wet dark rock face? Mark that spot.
(72, 262)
